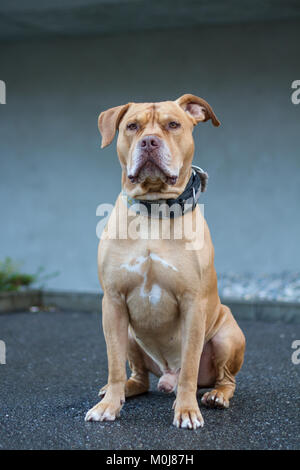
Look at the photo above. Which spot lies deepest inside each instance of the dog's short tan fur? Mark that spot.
(161, 308)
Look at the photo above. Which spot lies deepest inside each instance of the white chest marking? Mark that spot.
(155, 257)
(154, 295)
(135, 268)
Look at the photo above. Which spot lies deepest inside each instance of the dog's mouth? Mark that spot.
(151, 169)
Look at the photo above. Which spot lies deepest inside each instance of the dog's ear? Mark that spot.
(197, 108)
(108, 123)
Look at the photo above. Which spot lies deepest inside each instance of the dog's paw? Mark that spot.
(103, 411)
(187, 417)
(102, 391)
(214, 399)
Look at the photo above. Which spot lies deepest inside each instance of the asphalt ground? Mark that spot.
(56, 363)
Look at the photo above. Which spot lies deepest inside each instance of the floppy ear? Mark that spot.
(197, 108)
(108, 123)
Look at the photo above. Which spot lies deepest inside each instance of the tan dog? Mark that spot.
(161, 308)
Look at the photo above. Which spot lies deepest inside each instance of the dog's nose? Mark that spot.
(150, 142)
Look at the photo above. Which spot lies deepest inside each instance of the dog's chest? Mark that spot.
(153, 307)
(149, 280)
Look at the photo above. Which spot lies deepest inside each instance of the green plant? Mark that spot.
(12, 279)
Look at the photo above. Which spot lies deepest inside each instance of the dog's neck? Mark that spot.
(171, 207)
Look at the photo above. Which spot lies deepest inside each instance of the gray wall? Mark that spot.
(53, 173)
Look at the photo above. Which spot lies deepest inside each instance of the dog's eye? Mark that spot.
(132, 126)
(173, 125)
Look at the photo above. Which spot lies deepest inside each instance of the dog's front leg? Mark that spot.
(187, 413)
(115, 326)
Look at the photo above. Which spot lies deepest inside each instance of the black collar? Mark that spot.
(184, 203)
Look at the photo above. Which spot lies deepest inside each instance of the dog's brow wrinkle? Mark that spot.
(153, 113)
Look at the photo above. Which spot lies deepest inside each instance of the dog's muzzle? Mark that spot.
(150, 161)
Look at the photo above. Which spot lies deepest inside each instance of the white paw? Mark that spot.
(188, 419)
(214, 399)
(102, 412)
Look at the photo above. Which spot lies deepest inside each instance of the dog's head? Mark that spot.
(155, 143)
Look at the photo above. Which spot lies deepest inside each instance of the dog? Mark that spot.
(161, 308)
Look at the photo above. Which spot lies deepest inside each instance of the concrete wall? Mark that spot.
(53, 173)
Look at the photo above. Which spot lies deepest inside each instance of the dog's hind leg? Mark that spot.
(138, 382)
(228, 347)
